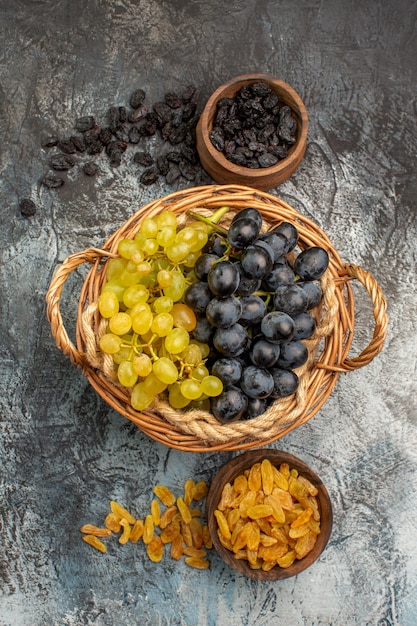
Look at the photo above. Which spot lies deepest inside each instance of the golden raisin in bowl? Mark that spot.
(269, 514)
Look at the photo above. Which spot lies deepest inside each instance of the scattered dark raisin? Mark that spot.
(66, 145)
(122, 115)
(114, 117)
(177, 135)
(177, 117)
(143, 158)
(134, 135)
(162, 165)
(173, 174)
(90, 168)
(95, 147)
(79, 143)
(137, 114)
(84, 123)
(92, 135)
(163, 112)
(105, 136)
(137, 98)
(61, 162)
(27, 207)
(187, 170)
(173, 100)
(149, 176)
(49, 142)
(188, 93)
(52, 181)
(174, 156)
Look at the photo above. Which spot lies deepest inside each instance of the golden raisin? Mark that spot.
(156, 512)
(137, 531)
(90, 529)
(177, 548)
(112, 522)
(222, 523)
(120, 512)
(155, 549)
(184, 510)
(124, 537)
(164, 494)
(95, 542)
(267, 476)
(197, 563)
(148, 529)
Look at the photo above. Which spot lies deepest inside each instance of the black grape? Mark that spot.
(263, 353)
(311, 263)
(230, 405)
(223, 312)
(253, 310)
(256, 382)
(290, 299)
(285, 382)
(242, 233)
(305, 325)
(228, 370)
(231, 341)
(293, 354)
(197, 296)
(278, 327)
(223, 278)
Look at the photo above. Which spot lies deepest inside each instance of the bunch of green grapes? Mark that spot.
(149, 326)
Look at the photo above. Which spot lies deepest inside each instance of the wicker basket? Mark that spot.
(197, 431)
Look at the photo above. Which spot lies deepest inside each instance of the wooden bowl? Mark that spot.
(224, 171)
(237, 466)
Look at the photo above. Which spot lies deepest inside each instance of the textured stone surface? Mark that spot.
(64, 452)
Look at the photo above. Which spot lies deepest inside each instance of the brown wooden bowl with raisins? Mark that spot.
(252, 131)
(269, 514)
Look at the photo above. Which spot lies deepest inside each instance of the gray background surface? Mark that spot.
(64, 452)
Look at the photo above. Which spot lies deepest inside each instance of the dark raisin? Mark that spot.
(105, 136)
(190, 154)
(114, 118)
(270, 101)
(261, 89)
(66, 145)
(51, 181)
(143, 158)
(238, 159)
(173, 174)
(27, 207)
(267, 159)
(188, 111)
(148, 128)
(134, 135)
(79, 143)
(252, 163)
(187, 170)
(84, 123)
(90, 168)
(162, 165)
(61, 162)
(95, 147)
(278, 150)
(176, 117)
(166, 130)
(163, 112)
(92, 135)
(122, 115)
(173, 100)
(49, 142)
(115, 150)
(149, 176)
(121, 132)
(174, 156)
(217, 139)
(137, 114)
(177, 135)
(137, 98)
(188, 93)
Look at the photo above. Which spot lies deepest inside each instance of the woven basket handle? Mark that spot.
(53, 296)
(379, 305)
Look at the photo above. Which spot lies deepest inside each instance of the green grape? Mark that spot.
(116, 287)
(204, 348)
(108, 304)
(121, 355)
(135, 294)
(109, 343)
(137, 257)
(212, 386)
(200, 372)
(150, 247)
(164, 278)
(176, 340)
(125, 247)
(140, 240)
(167, 218)
(142, 321)
(175, 397)
(187, 235)
(139, 308)
(190, 259)
(149, 228)
(128, 279)
(191, 389)
(162, 304)
(192, 354)
(144, 268)
(176, 289)
(126, 374)
(140, 398)
(149, 280)
(165, 370)
(120, 324)
(154, 386)
(162, 324)
(178, 251)
(202, 239)
(115, 268)
(166, 236)
(142, 364)
(202, 404)
(184, 317)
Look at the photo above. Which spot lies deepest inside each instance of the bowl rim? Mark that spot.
(244, 461)
(295, 153)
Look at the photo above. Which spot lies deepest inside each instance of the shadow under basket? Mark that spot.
(198, 431)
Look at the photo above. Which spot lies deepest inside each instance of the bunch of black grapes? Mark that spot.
(252, 307)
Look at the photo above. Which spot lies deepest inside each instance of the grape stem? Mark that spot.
(213, 220)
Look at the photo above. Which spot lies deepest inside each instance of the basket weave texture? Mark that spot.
(198, 431)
